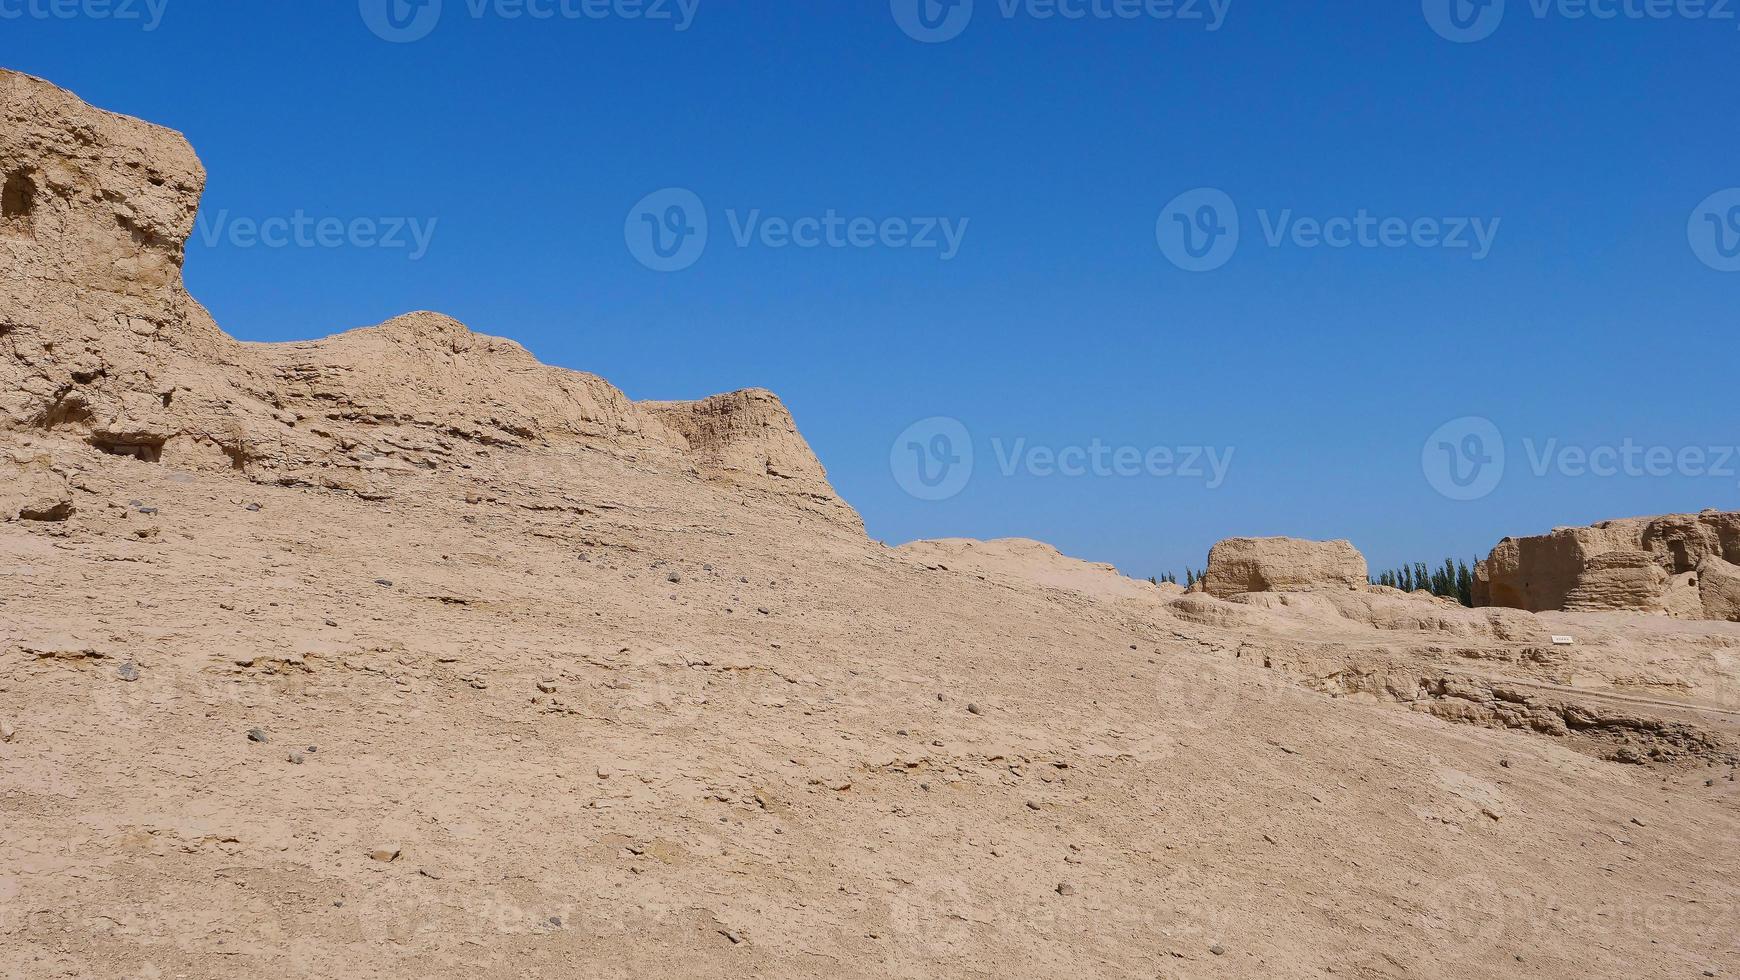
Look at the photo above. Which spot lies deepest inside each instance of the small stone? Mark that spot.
(1504, 762)
(332, 622)
(1217, 950)
(7, 731)
(430, 873)
(254, 508)
(384, 582)
(257, 735)
(973, 709)
(734, 937)
(127, 672)
(1640, 823)
(673, 578)
(313, 749)
(1032, 805)
(764, 611)
(554, 921)
(548, 687)
(1065, 889)
(385, 854)
(295, 758)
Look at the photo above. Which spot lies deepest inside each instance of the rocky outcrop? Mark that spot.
(32, 490)
(749, 437)
(1719, 589)
(1652, 565)
(1240, 565)
(101, 345)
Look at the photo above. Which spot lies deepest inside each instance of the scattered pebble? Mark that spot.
(257, 735)
(127, 672)
(548, 687)
(7, 731)
(1032, 805)
(384, 582)
(974, 709)
(295, 758)
(673, 578)
(1065, 889)
(1217, 950)
(430, 873)
(386, 854)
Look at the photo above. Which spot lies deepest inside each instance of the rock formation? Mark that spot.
(1239, 565)
(103, 344)
(1678, 565)
(399, 654)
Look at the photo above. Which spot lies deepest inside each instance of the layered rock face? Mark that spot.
(101, 344)
(1240, 565)
(1679, 565)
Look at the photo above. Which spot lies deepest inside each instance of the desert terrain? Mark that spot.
(399, 654)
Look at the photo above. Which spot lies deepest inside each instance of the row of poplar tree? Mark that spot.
(1453, 580)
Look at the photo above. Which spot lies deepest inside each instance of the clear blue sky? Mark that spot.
(1061, 320)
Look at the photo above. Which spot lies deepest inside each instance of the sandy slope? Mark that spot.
(628, 692)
